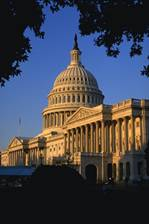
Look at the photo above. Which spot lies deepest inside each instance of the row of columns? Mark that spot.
(125, 170)
(55, 119)
(16, 157)
(83, 139)
(75, 98)
(21, 157)
(105, 136)
(33, 156)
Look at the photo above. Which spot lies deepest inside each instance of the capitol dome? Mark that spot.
(74, 87)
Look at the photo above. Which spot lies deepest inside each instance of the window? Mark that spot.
(83, 98)
(78, 98)
(68, 98)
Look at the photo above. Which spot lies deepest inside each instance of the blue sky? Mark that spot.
(26, 96)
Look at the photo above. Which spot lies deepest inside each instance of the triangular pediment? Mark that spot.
(15, 142)
(81, 113)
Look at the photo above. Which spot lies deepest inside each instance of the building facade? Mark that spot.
(80, 130)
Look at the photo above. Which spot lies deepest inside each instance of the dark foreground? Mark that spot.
(61, 195)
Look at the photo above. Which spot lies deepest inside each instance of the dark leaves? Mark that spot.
(16, 17)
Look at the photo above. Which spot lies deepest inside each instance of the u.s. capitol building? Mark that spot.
(79, 129)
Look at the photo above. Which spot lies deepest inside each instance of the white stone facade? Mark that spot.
(79, 129)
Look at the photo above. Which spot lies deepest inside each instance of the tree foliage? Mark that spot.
(15, 17)
(111, 21)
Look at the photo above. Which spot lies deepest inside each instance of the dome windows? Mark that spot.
(68, 98)
(73, 98)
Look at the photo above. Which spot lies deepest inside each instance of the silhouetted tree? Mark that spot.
(111, 20)
(147, 158)
(15, 17)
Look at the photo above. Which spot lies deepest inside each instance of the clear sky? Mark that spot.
(25, 97)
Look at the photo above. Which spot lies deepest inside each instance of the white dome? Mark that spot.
(74, 87)
(75, 79)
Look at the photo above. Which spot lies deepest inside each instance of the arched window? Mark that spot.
(55, 99)
(78, 98)
(88, 99)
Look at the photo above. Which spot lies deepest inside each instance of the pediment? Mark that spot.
(15, 142)
(81, 113)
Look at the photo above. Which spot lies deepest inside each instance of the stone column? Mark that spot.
(68, 146)
(114, 136)
(54, 119)
(81, 139)
(91, 137)
(10, 159)
(111, 138)
(61, 118)
(117, 171)
(107, 137)
(132, 133)
(103, 150)
(76, 139)
(126, 134)
(119, 135)
(45, 121)
(102, 137)
(86, 98)
(97, 137)
(72, 140)
(26, 158)
(141, 132)
(50, 120)
(86, 138)
(65, 146)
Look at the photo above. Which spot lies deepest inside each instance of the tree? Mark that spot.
(16, 17)
(111, 20)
